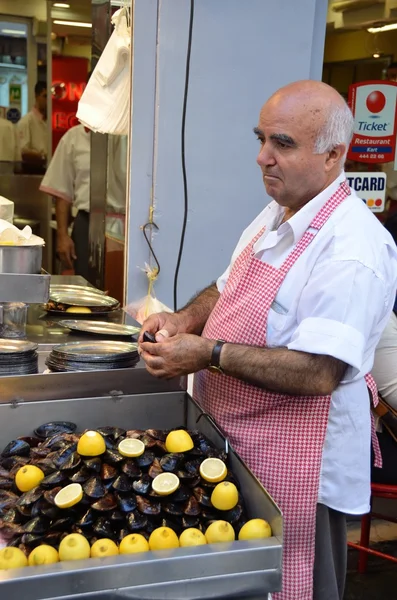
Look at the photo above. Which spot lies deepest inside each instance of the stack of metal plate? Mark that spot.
(93, 356)
(90, 300)
(102, 328)
(18, 357)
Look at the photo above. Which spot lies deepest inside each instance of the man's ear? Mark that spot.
(334, 156)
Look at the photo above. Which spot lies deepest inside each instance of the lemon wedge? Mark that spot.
(78, 309)
(213, 470)
(131, 447)
(91, 443)
(28, 477)
(69, 496)
(165, 484)
(179, 441)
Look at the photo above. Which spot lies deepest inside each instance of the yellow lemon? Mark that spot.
(255, 529)
(12, 558)
(179, 441)
(91, 443)
(74, 547)
(135, 542)
(224, 496)
(43, 555)
(165, 484)
(213, 469)
(78, 309)
(69, 495)
(192, 537)
(220, 531)
(163, 538)
(131, 447)
(28, 477)
(104, 547)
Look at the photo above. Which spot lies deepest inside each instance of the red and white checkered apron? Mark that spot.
(280, 437)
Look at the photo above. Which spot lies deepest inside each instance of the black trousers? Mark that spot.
(80, 238)
(329, 572)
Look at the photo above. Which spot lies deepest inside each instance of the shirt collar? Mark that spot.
(299, 223)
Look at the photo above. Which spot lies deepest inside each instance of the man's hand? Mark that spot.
(163, 325)
(66, 250)
(178, 355)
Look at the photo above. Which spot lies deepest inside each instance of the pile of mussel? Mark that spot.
(118, 497)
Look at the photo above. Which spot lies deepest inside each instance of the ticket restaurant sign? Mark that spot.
(370, 187)
(373, 104)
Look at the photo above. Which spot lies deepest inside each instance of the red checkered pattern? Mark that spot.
(280, 437)
(370, 381)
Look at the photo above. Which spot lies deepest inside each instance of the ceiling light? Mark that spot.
(61, 5)
(376, 55)
(12, 32)
(73, 23)
(389, 27)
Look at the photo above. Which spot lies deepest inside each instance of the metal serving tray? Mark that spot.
(248, 570)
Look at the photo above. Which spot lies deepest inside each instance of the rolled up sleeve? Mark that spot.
(342, 312)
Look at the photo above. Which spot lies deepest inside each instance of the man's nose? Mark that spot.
(265, 156)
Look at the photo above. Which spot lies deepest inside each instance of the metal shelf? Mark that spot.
(31, 289)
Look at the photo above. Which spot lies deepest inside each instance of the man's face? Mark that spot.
(41, 102)
(291, 172)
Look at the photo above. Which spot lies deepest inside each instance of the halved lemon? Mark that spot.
(165, 484)
(28, 477)
(69, 496)
(213, 470)
(179, 440)
(91, 443)
(78, 309)
(131, 447)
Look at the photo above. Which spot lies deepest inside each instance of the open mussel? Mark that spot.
(52, 480)
(81, 475)
(136, 521)
(40, 452)
(51, 429)
(117, 516)
(37, 525)
(11, 516)
(142, 485)
(122, 483)
(131, 469)
(174, 524)
(134, 433)
(53, 538)
(45, 464)
(112, 457)
(12, 463)
(148, 506)
(188, 522)
(32, 539)
(191, 508)
(182, 494)
(87, 519)
(233, 515)
(103, 528)
(106, 503)
(67, 458)
(171, 462)
(127, 502)
(193, 466)
(158, 434)
(32, 441)
(10, 530)
(108, 472)
(49, 495)
(202, 496)
(112, 432)
(94, 487)
(93, 464)
(29, 498)
(173, 508)
(145, 460)
(155, 468)
(43, 508)
(16, 448)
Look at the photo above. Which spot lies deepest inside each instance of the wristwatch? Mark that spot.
(214, 366)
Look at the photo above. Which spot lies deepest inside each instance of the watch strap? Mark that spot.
(216, 354)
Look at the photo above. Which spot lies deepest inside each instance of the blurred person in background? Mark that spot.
(9, 153)
(32, 133)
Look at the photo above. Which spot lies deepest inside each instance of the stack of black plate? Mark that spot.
(18, 357)
(93, 356)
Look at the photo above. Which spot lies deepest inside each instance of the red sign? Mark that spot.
(374, 106)
(69, 75)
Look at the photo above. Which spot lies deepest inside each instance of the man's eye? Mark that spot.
(260, 139)
(282, 145)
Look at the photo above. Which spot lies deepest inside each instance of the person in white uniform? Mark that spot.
(322, 326)
(9, 153)
(32, 132)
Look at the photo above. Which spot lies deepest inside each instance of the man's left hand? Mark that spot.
(179, 355)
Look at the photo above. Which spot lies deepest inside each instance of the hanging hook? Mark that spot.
(151, 224)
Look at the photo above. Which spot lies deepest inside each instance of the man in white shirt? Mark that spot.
(284, 339)
(32, 132)
(8, 144)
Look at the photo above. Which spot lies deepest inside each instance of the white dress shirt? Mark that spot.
(336, 301)
(385, 364)
(32, 132)
(8, 142)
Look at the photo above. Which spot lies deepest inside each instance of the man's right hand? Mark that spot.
(66, 250)
(163, 325)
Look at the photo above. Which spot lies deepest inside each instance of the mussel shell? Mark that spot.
(112, 457)
(73, 462)
(108, 472)
(172, 524)
(81, 475)
(6, 483)
(202, 496)
(94, 464)
(37, 525)
(49, 495)
(16, 448)
(134, 433)
(117, 516)
(191, 507)
(40, 452)
(145, 460)
(173, 508)
(188, 522)
(52, 538)
(148, 506)
(29, 498)
(193, 466)
(53, 479)
(43, 508)
(171, 462)
(106, 503)
(155, 468)
(12, 462)
(51, 429)
(148, 440)
(131, 469)
(25, 511)
(126, 502)
(67, 458)
(142, 485)
(201, 442)
(63, 523)
(103, 528)
(32, 441)
(113, 432)
(11, 529)
(136, 521)
(11, 516)
(150, 527)
(45, 464)
(123, 483)
(233, 515)
(87, 519)
(32, 539)
(182, 494)
(211, 515)
(123, 533)
(158, 434)
(94, 487)
(4, 472)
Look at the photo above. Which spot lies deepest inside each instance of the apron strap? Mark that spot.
(373, 392)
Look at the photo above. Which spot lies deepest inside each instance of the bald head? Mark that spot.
(305, 129)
